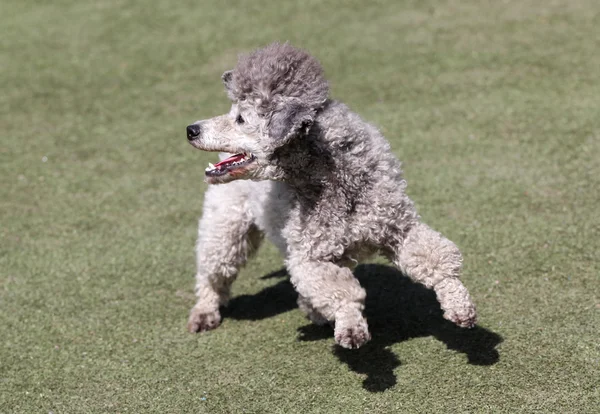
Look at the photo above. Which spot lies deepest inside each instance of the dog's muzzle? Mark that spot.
(193, 131)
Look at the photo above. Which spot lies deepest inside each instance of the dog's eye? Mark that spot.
(239, 119)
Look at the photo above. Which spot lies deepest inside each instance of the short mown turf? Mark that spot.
(494, 109)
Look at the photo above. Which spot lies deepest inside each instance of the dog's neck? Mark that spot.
(306, 164)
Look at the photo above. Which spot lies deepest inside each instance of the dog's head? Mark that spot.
(276, 93)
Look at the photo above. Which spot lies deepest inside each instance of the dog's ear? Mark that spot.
(227, 78)
(291, 119)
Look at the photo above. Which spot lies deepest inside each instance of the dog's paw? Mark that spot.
(465, 318)
(352, 337)
(456, 302)
(201, 321)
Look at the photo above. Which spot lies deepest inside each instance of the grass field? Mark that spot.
(494, 108)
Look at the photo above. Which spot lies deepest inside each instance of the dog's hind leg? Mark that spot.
(227, 237)
(330, 293)
(429, 258)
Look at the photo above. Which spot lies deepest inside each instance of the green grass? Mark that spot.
(494, 108)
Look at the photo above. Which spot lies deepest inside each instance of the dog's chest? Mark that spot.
(270, 203)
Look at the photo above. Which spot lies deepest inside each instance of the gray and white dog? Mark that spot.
(319, 182)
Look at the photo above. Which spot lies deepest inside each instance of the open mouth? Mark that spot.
(230, 165)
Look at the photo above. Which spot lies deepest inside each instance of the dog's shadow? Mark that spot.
(397, 309)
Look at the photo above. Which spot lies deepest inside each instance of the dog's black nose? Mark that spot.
(193, 131)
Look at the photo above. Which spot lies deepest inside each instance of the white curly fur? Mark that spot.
(324, 187)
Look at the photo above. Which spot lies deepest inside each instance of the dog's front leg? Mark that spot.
(334, 293)
(227, 237)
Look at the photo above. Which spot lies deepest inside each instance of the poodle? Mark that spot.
(319, 182)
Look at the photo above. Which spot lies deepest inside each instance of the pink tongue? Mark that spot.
(233, 158)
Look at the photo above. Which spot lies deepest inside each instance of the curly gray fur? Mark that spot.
(274, 72)
(324, 186)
